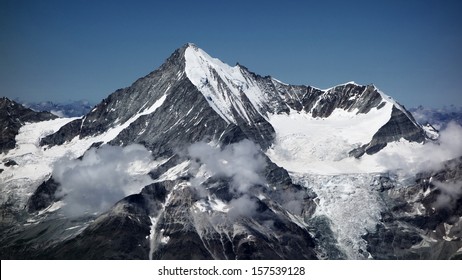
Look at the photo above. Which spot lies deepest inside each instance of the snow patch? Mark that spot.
(209, 204)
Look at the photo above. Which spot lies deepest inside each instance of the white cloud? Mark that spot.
(242, 162)
(450, 193)
(102, 177)
(427, 157)
(243, 206)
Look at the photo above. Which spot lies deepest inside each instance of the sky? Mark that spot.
(72, 50)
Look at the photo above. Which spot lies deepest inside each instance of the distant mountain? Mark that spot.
(439, 118)
(202, 160)
(68, 110)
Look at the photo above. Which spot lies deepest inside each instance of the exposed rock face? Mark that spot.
(423, 220)
(400, 125)
(64, 134)
(12, 117)
(321, 103)
(163, 221)
(43, 196)
(127, 225)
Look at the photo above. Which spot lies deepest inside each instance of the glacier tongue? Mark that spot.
(352, 204)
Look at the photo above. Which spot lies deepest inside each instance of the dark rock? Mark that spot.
(44, 196)
(399, 126)
(63, 135)
(10, 162)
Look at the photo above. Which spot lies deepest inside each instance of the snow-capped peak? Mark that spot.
(222, 85)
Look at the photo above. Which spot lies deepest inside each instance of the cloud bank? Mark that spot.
(451, 192)
(427, 157)
(241, 162)
(102, 177)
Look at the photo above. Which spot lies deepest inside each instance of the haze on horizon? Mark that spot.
(61, 51)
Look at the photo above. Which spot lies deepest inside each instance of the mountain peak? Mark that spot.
(190, 45)
(211, 76)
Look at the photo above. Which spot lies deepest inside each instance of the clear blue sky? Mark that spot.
(71, 50)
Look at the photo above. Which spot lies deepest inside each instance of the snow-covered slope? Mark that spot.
(33, 164)
(225, 88)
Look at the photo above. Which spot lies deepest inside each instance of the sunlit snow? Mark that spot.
(202, 70)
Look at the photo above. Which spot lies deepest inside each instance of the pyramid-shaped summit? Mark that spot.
(166, 109)
(192, 97)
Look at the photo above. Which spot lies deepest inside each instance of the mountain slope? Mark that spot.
(141, 110)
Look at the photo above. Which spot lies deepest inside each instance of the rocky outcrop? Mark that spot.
(400, 125)
(64, 134)
(44, 196)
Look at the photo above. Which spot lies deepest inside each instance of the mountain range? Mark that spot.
(65, 110)
(202, 160)
(439, 118)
